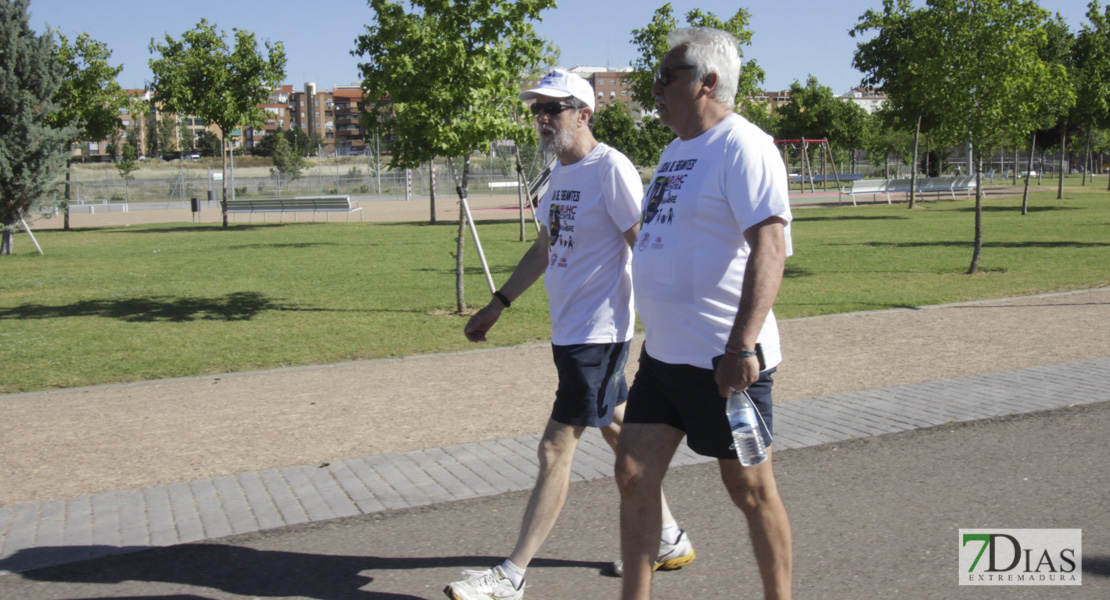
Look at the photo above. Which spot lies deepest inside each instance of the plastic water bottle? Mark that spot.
(747, 434)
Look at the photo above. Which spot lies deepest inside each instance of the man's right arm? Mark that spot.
(527, 271)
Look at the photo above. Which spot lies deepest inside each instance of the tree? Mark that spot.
(89, 96)
(893, 62)
(651, 45)
(953, 49)
(614, 126)
(641, 144)
(762, 115)
(126, 165)
(814, 112)
(32, 148)
(187, 141)
(303, 143)
(166, 133)
(200, 75)
(207, 143)
(450, 70)
(287, 162)
(1091, 72)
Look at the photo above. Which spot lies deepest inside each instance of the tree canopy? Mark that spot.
(32, 148)
(450, 71)
(651, 45)
(814, 112)
(89, 97)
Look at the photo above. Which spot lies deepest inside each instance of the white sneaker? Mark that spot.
(491, 584)
(671, 556)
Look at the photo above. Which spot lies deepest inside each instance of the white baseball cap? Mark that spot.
(561, 83)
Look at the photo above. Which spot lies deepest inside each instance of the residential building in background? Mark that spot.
(867, 98)
(334, 115)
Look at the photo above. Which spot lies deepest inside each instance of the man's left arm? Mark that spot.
(762, 279)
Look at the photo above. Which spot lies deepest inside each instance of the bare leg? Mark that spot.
(556, 454)
(611, 433)
(754, 490)
(643, 454)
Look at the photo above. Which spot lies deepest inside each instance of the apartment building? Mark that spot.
(313, 111)
(350, 136)
(277, 117)
(869, 99)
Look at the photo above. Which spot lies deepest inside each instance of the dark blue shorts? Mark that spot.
(686, 398)
(591, 383)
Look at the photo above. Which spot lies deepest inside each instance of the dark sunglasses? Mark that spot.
(663, 75)
(551, 108)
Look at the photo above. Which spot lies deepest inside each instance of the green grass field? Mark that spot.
(135, 303)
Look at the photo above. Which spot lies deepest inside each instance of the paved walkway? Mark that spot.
(40, 534)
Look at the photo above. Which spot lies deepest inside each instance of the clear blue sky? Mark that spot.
(792, 38)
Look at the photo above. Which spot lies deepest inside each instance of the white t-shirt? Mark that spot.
(688, 264)
(587, 207)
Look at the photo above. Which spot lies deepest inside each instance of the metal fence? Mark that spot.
(89, 192)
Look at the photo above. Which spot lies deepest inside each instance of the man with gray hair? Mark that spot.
(590, 215)
(714, 237)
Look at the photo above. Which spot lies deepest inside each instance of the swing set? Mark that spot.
(802, 146)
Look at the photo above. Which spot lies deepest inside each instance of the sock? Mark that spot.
(513, 572)
(671, 532)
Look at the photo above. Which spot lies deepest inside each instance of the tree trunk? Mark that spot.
(223, 176)
(460, 291)
(6, 243)
(1063, 157)
(1028, 175)
(432, 188)
(461, 188)
(1087, 156)
(978, 218)
(65, 217)
(913, 171)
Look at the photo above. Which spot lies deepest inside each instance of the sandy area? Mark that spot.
(483, 207)
(89, 440)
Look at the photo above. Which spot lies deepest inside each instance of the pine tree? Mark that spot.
(31, 151)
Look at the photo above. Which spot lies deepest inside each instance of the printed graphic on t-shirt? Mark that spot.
(661, 198)
(561, 215)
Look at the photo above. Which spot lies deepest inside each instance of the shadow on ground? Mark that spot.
(243, 571)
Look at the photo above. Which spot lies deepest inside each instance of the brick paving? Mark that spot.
(55, 532)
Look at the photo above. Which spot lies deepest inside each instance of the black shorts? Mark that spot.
(686, 398)
(591, 383)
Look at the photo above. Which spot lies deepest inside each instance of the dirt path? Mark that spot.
(90, 440)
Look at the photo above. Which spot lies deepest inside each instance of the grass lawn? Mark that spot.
(134, 303)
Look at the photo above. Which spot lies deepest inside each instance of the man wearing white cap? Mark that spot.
(590, 218)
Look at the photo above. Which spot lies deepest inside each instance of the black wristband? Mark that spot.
(502, 299)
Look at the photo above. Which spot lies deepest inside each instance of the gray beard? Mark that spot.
(560, 143)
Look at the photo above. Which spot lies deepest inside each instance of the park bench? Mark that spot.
(493, 185)
(864, 187)
(902, 186)
(299, 204)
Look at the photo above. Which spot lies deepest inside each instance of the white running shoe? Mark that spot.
(671, 556)
(491, 584)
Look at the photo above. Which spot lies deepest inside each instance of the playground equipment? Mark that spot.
(806, 173)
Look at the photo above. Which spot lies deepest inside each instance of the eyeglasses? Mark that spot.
(663, 75)
(551, 108)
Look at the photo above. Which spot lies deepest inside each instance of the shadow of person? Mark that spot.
(1096, 565)
(247, 571)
